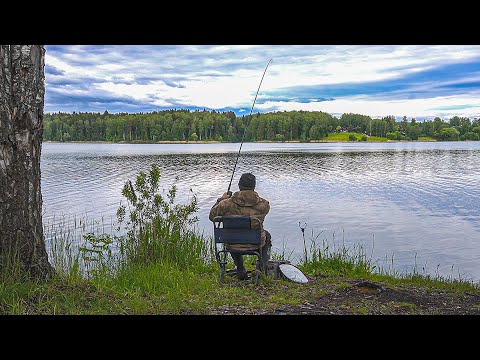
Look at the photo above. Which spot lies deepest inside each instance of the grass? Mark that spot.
(332, 258)
(345, 137)
(150, 289)
(162, 287)
(158, 264)
(167, 286)
(426, 138)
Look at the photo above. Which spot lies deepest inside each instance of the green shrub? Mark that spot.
(158, 229)
(395, 135)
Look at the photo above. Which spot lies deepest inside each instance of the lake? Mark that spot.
(408, 205)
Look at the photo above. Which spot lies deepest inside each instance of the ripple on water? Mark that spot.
(412, 198)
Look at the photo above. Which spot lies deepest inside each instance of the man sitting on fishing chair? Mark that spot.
(245, 202)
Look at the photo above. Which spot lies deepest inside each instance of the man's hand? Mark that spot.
(225, 196)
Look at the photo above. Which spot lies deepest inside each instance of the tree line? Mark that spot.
(204, 125)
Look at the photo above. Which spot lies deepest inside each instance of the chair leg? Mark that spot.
(258, 268)
(257, 276)
(222, 264)
(265, 255)
(222, 272)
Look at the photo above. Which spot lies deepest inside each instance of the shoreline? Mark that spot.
(246, 142)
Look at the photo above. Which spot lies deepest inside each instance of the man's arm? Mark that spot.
(214, 209)
(267, 206)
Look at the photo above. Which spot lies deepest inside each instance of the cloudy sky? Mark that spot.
(409, 80)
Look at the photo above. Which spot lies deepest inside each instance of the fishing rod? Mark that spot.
(244, 131)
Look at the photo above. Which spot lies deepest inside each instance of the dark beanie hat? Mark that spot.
(247, 182)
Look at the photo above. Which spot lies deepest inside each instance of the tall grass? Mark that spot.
(335, 258)
(332, 258)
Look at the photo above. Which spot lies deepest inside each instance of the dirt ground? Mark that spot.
(361, 297)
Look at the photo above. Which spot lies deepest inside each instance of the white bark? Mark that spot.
(22, 89)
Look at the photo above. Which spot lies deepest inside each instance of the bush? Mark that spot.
(395, 135)
(352, 137)
(158, 229)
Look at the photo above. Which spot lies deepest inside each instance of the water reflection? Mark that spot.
(413, 201)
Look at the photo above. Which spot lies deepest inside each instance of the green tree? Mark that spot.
(448, 134)
(314, 133)
(413, 131)
(469, 136)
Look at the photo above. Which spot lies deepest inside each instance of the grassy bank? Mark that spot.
(155, 262)
(332, 137)
(345, 137)
(163, 286)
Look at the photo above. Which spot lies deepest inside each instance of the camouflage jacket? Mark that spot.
(246, 202)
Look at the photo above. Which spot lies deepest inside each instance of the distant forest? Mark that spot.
(174, 125)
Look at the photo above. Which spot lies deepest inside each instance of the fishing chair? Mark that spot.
(229, 230)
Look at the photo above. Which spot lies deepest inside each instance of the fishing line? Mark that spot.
(244, 131)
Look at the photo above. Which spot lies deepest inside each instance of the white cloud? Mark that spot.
(228, 75)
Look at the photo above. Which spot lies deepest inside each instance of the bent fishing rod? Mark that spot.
(245, 130)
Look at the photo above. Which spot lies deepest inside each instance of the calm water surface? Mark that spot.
(408, 205)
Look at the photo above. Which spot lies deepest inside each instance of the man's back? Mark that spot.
(245, 202)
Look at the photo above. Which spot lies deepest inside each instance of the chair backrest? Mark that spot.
(237, 230)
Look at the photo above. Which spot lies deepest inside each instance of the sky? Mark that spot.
(416, 81)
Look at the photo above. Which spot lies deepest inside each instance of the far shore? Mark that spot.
(228, 142)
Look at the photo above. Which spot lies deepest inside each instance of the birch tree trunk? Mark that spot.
(22, 89)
